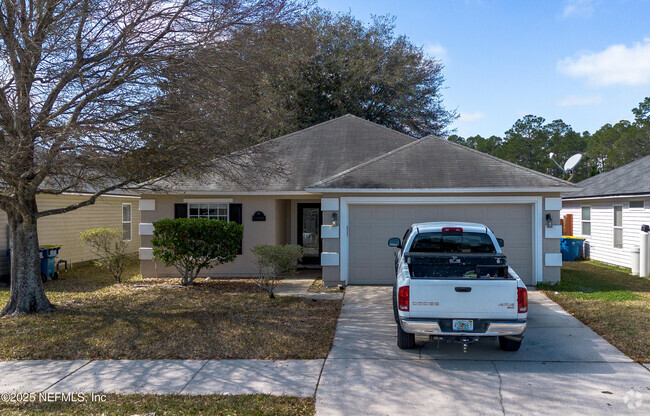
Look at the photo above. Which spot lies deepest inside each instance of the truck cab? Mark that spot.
(453, 283)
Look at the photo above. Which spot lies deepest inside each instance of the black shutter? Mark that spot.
(180, 211)
(235, 214)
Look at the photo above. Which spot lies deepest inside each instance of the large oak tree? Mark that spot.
(80, 86)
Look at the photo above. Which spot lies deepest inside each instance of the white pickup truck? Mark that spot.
(453, 283)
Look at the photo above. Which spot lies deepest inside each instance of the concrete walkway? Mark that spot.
(289, 377)
(563, 367)
(299, 287)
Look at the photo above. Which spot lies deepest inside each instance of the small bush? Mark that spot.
(272, 261)
(194, 244)
(108, 245)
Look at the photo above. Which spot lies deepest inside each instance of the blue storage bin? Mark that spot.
(571, 248)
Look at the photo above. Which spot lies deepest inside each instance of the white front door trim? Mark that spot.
(536, 201)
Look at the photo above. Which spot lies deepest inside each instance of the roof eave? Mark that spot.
(440, 190)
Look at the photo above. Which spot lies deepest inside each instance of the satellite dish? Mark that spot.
(572, 162)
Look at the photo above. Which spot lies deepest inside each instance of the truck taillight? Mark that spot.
(452, 230)
(522, 300)
(403, 298)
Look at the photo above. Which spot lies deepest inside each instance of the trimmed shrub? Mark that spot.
(108, 245)
(194, 244)
(273, 260)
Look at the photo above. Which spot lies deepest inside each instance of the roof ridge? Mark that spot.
(614, 170)
(366, 163)
(562, 181)
(348, 115)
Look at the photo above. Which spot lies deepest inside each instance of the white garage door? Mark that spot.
(371, 261)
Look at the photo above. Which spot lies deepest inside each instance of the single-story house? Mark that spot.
(349, 184)
(608, 210)
(116, 210)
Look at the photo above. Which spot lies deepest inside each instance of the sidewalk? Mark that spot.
(193, 377)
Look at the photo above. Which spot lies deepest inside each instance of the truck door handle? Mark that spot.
(463, 289)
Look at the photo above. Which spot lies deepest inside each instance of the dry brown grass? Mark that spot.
(610, 301)
(159, 319)
(168, 405)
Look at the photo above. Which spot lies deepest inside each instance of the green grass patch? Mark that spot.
(608, 299)
(160, 319)
(168, 405)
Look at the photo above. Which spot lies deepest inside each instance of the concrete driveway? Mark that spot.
(563, 367)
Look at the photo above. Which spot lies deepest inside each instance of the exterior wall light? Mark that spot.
(335, 218)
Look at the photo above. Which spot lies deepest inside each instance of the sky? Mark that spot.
(586, 62)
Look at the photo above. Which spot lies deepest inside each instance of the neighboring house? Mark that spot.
(608, 211)
(112, 211)
(349, 184)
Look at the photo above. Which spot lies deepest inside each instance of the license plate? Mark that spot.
(463, 324)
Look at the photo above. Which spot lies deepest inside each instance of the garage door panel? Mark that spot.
(371, 261)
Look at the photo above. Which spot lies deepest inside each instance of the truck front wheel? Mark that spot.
(509, 344)
(405, 341)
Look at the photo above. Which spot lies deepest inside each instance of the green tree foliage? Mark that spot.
(530, 140)
(108, 245)
(368, 71)
(272, 260)
(194, 244)
(291, 75)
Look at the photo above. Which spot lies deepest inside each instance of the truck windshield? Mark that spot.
(452, 242)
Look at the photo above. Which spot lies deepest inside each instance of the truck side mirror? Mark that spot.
(500, 241)
(394, 242)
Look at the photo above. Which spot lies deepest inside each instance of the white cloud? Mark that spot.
(579, 100)
(616, 65)
(471, 117)
(437, 51)
(577, 8)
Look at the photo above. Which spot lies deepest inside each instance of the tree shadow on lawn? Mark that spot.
(185, 323)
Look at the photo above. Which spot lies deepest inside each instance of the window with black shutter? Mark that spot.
(235, 214)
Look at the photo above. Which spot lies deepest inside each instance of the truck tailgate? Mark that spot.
(463, 298)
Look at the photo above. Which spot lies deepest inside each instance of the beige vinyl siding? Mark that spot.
(65, 228)
(601, 240)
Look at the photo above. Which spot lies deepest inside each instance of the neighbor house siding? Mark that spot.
(64, 229)
(601, 240)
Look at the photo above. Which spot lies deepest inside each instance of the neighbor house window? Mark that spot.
(618, 226)
(213, 211)
(637, 205)
(586, 220)
(126, 222)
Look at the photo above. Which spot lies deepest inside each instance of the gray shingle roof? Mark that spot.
(305, 157)
(631, 179)
(433, 163)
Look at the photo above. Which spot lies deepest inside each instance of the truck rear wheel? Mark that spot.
(405, 341)
(509, 344)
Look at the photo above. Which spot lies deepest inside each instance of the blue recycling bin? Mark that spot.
(48, 261)
(571, 248)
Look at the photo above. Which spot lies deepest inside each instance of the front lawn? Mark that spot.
(160, 319)
(162, 405)
(610, 301)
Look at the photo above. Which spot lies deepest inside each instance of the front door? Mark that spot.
(309, 222)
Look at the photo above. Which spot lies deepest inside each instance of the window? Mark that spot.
(126, 222)
(586, 220)
(213, 211)
(452, 242)
(618, 226)
(637, 205)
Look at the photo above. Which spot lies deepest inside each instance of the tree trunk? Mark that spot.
(27, 293)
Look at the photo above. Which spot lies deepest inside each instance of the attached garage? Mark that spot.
(370, 260)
